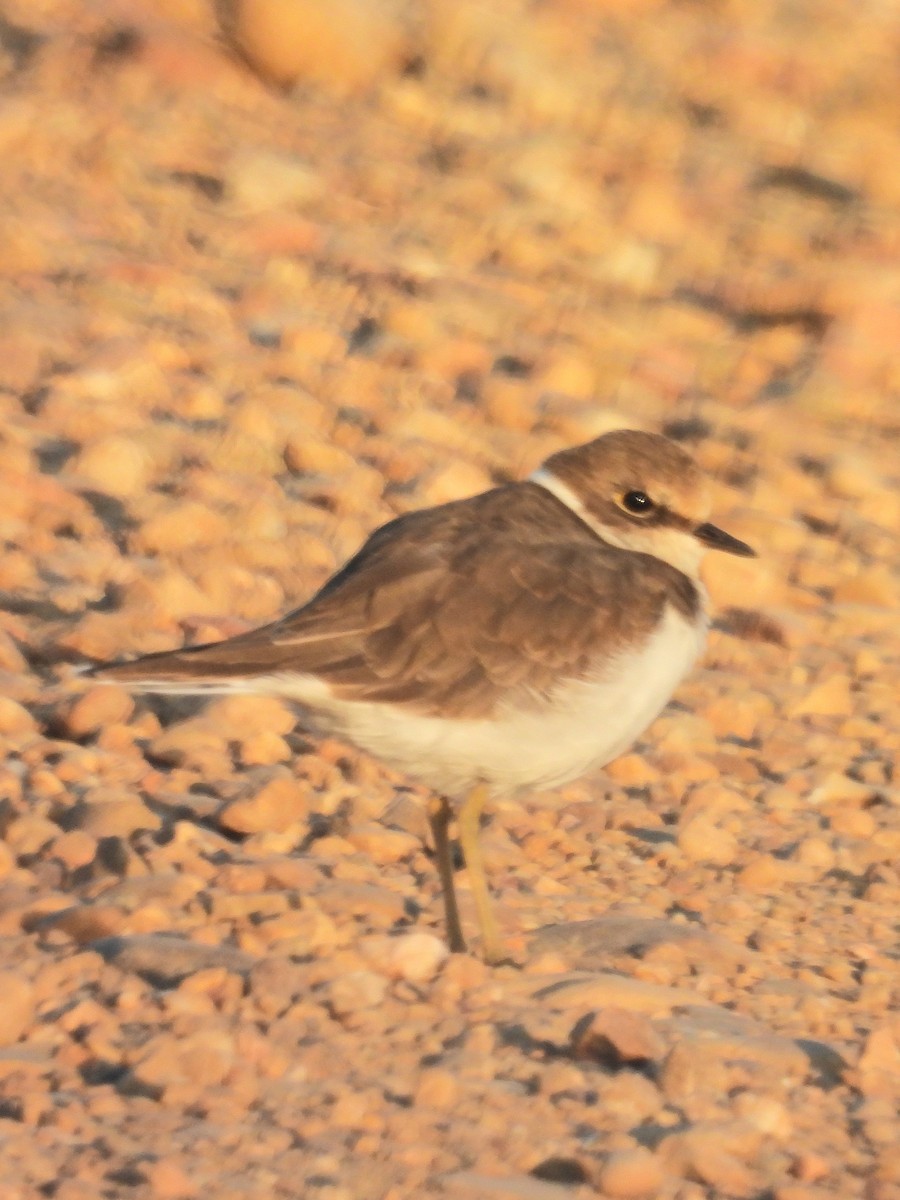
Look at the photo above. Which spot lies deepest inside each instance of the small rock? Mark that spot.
(763, 873)
(453, 481)
(202, 1058)
(82, 922)
(356, 991)
(15, 719)
(854, 476)
(208, 1056)
(874, 585)
(195, 743)
(305, 931)
(352, 1108)
(734, 582)
(246, 716)
(815, 852)
(840, 789)
(264, 750)
(617, 1037)
(766, 1113)
(17, 1004)
(631, 770)
(462, 974)
(245, 907)
(168, 1180)
(853, 822)
(681, 1073)
(713, 1035)
(164, 960)
(114, 464)
(114, 814)
(712, 800)
(437, 1088)
(29, 833)
(416, 957)
(381, 844)
(275, 983)
(182, 526)
(631, 1175)
(570, 373)
(295, 874)
(810, 1167)
(738, 715)
(469, 1185)
(831, 698)
(590, 944)
(12, 659)
(75, 849)
(261, 180)
(606, 990)
(7, 860)
(310, 453)
(345, 49)
(343, 899)
(278, 805)
(803, 1191)
(879, 1064)
(98, 708)
(701, 839)
(717, 1154)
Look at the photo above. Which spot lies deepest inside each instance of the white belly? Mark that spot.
(589, 722)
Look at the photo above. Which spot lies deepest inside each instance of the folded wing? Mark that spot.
(440, 615)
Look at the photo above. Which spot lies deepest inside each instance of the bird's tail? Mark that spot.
(216, 668)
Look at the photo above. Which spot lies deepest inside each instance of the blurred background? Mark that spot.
(275, 270)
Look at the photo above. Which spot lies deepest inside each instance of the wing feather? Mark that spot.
(443, 613)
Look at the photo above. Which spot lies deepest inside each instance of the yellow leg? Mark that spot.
(439, 815)
(469, 820)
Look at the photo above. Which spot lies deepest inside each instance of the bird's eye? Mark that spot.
(638, 503)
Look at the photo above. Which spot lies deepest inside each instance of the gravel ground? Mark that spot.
(255, 304)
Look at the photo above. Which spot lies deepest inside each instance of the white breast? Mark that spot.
(587, 724)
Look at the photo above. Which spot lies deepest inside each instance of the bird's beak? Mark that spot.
(717, 539)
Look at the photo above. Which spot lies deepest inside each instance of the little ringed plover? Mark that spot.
(512, 641)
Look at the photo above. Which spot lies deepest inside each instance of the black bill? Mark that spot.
(718, 539)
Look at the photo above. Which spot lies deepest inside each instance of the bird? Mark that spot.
(488, 647)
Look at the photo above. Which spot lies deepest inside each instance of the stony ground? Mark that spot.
(251, 308)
